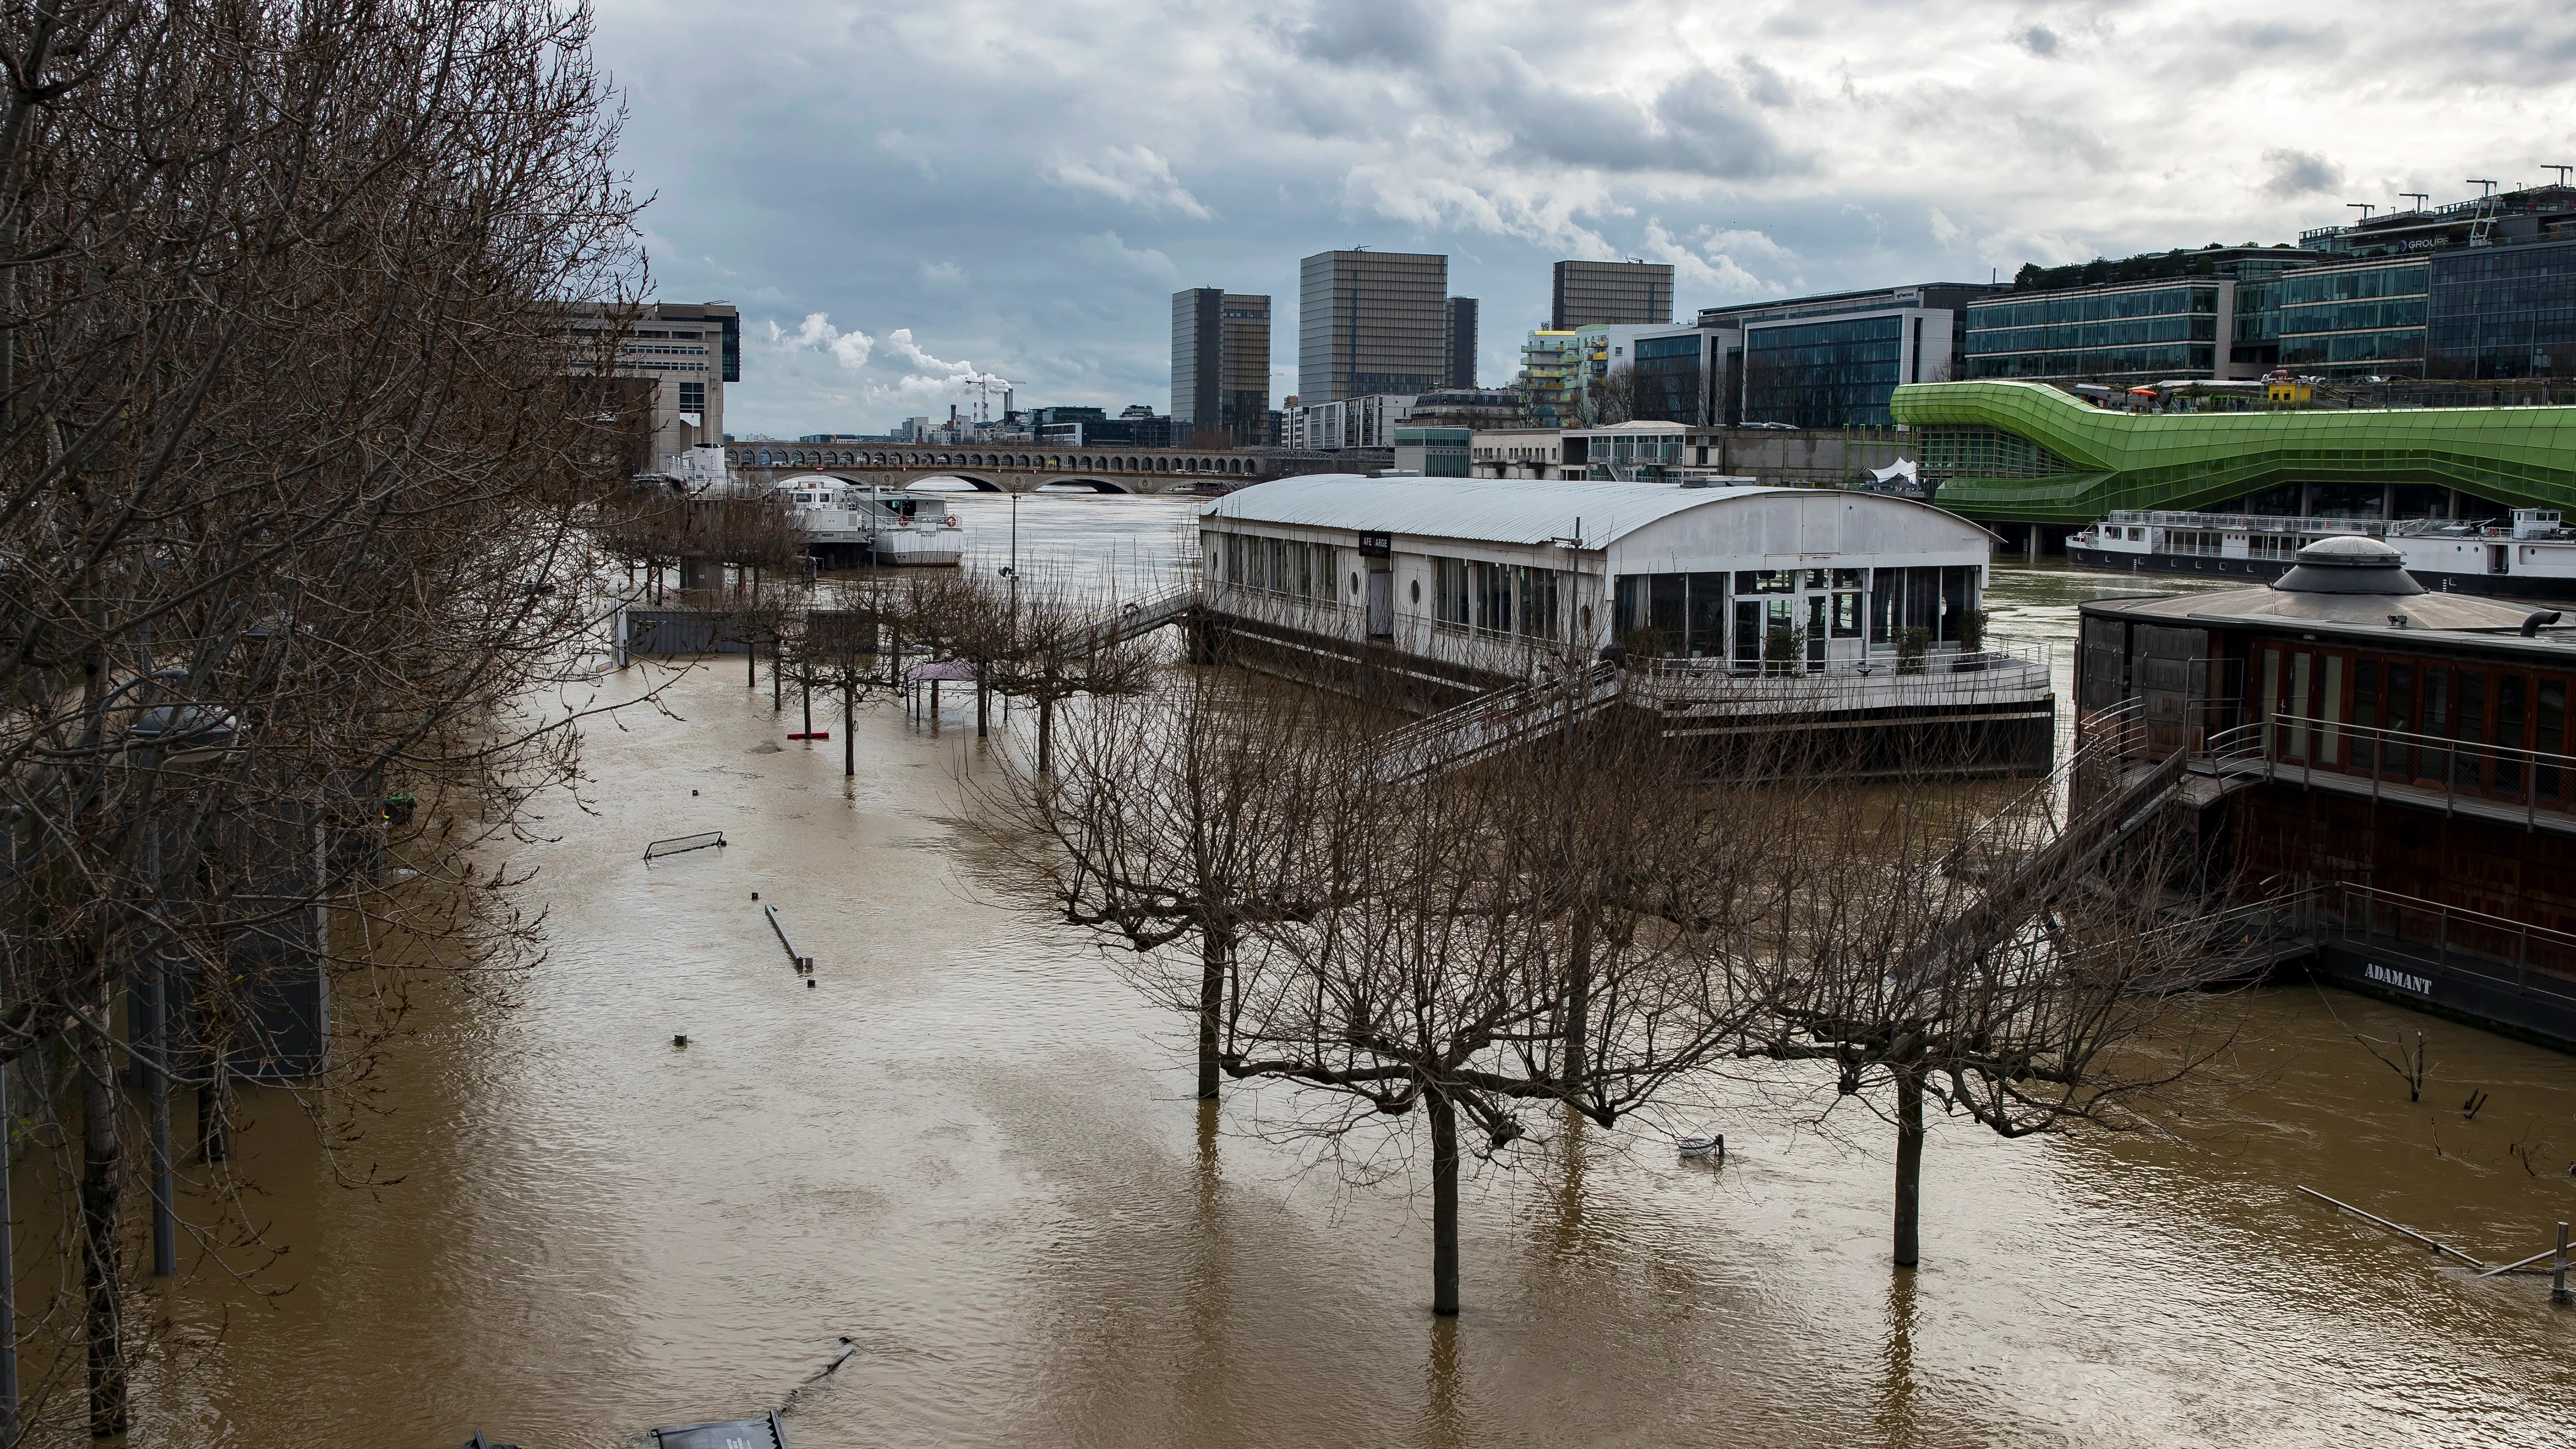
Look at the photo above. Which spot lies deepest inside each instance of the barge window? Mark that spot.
(2509, 700)
(2550, 736)
(2437, 721)
(2328, 733)
(2297, 743)
(2365, 710)
(1748, 633)
(1766, 581)
(1449, 594)
(2473, 726)
(2401, 716)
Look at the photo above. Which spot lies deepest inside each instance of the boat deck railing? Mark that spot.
(2514, 955)
(2533, 788)
(2285, 524)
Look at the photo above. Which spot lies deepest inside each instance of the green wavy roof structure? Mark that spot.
(2095, 460)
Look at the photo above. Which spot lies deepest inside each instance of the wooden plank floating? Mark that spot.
(678, 843)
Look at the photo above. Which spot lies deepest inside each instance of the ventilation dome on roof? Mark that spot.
(2349, 564)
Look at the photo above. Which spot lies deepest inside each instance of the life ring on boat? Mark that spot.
(949, 522)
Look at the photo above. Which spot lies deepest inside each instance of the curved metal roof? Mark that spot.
(1489, 510)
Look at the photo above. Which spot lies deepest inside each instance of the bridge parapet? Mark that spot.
(1022, 469)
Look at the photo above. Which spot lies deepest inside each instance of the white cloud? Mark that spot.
(1134, 174)
(850, 349)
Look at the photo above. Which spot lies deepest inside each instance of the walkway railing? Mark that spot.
(1491, 723)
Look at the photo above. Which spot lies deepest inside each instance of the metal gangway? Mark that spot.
(1493, 722)
(1136, 619)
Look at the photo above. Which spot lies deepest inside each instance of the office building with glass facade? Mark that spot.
(2503, 311)
(2356, 319)
(1458, 344)
(1371, 322)
(1221, 364)
(1833, 361)
(1612, 292)
(2209, 313)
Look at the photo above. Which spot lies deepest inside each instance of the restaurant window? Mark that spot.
(2365, 711)
(1493, 586)
(1538, 602)
(1449, 594)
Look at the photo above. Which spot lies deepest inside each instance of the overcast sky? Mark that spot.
(901, 197)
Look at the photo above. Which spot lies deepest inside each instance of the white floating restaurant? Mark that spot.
(1728, 609)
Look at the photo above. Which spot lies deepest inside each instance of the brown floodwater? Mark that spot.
(971, 1150)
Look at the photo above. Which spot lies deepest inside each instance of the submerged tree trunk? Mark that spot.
(1909, 1164)
(101, 1240)
(1046, 733)
(1444, 1204)
(1578, 999)
(1213, 944)
(849, 743)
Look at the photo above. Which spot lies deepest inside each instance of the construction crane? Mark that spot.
(984, 401)
(2417, 197)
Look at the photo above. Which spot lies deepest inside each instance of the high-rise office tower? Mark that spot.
(1370, 322)
(1613, 292)
(1458, 344)
(1220, 364)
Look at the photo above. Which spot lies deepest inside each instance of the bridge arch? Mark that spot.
(981, 485)
(1096, 485)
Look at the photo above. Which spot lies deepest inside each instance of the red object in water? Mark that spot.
(816, 735)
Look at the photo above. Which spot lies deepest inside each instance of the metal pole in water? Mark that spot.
(2557, 1269)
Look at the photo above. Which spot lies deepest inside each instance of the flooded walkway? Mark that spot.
(971, 1150)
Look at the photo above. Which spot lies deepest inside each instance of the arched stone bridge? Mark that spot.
(1015, 469)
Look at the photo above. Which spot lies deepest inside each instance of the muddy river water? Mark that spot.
(971, 1150)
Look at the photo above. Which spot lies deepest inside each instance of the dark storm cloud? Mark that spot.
(2298, 173)
(1003, 187)
(1701, 123)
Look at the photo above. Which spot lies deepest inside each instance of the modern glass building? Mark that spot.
(1612, 292)
(1680, 375)
(2209, 313)
(1371, 322)
(2109, 334)
(2503, 311)
(1221, 364)
(1458, 344)
(2359, 319)
(1832, 361)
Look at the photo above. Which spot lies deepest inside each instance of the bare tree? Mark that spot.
(294, 535)
(1176, 816)
(2050, 987)
(1527, 931)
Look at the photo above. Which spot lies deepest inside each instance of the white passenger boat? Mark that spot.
(847, 524)
(2529, 557)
